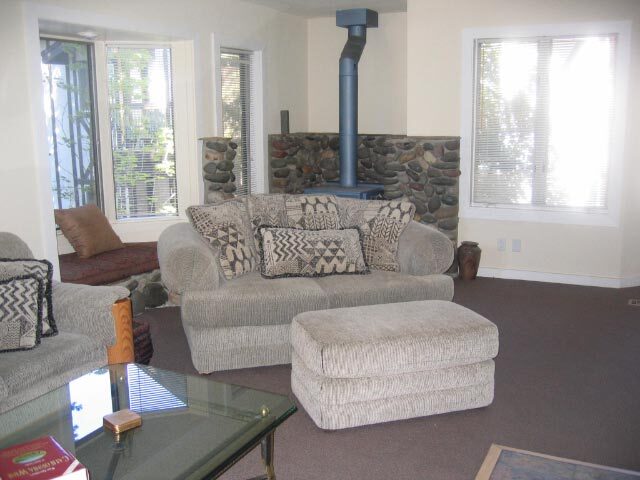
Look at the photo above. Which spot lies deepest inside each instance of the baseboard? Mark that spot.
(630, 282)
(585, 280)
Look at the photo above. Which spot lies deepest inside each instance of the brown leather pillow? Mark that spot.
(88, 230)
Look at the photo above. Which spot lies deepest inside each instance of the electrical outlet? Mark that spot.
(502, 244)
(516, 245)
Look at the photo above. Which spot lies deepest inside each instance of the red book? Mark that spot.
(40, 459)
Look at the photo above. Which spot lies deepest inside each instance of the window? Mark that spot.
(237, 78)
(67, 81)
(141, 117)
(542, 122)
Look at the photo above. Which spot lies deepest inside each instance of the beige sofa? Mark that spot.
(245, 322)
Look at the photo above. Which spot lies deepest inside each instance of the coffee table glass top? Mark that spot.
(192, 427)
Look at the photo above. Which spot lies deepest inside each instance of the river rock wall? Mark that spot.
(218, 155)
(422, 170)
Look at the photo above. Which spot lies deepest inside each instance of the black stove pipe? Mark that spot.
(356, 21)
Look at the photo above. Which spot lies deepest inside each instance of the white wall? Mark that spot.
(24, 186)
(382, 83)
(20, 176)
(600, 255)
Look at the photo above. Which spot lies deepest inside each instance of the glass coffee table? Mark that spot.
(192, 427)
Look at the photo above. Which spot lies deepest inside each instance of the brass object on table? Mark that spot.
(121, 421)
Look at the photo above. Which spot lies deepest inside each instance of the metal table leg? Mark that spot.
(267, 452)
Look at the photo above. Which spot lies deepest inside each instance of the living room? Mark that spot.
(416, 79)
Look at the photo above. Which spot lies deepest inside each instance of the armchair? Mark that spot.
(94, 328)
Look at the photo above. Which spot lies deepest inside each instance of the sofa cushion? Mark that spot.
(20, 312)
(289, 252)
(226, 227)
(43, 270)
(88, 230)
(252, 300)
(267, 209)
(384, 287)
(392, 338)
(22, 370)
(381, 222)
(312, 212)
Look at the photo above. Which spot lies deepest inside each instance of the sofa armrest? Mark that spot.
(122, 350)
(87, 310)
(186, 261)
(424, 250)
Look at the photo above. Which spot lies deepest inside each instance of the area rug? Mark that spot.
(504, 463)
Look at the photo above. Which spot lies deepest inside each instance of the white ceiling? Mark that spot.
(327, 8)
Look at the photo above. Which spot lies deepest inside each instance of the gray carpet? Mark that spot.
(567, 384)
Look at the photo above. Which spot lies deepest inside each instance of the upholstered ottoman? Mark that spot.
(378, 363)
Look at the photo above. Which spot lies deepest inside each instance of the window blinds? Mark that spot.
(237, 78)
(542, 122)
(142, 137)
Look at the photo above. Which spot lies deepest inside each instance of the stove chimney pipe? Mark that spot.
(356, 20)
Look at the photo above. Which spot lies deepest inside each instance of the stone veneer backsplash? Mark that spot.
(422, 170)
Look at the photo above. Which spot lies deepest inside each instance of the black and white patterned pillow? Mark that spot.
(20, 312)
(312, 212)
(381, 223)
(13, 267)
(226, 227)
(290, 252)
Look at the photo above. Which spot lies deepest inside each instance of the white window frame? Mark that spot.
(184, 131)
(259, 161)
(614, 184)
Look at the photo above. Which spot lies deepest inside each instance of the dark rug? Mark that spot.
(567, 384)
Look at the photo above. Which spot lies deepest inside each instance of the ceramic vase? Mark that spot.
(468, 260)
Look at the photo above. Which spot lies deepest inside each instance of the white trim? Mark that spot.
(104, 131)
(612, 217)
(258, 114)
(217, 87)
(629, 282)
(189, 183)
(585, 280)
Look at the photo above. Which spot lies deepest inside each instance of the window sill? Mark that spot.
(152, 220)
(606, 219)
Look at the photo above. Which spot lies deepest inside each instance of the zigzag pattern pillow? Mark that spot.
(289, 252)
(14, 267)
(20, 312)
